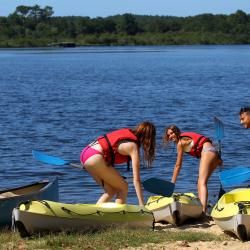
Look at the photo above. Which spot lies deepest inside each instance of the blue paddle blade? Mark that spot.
(48, 158)
(158, 186)
(219, 129)
(235, 176)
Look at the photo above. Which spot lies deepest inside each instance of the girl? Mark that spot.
(198, 146)
(117, 147)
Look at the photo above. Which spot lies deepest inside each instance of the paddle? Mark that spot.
(40, 156)
(219, 134)
(159, 186)
(234, 176)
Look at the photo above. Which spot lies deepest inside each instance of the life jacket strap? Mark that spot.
(112, 153)
(196, 146)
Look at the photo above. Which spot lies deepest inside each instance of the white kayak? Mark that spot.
(175, 209)
(232, 213)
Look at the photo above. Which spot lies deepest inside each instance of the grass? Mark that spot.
(108, 239)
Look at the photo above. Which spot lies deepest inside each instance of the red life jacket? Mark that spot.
(199, 140)
(110, 142)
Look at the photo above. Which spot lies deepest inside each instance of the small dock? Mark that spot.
(63, 45)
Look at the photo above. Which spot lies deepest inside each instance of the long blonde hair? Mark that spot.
(146, 133)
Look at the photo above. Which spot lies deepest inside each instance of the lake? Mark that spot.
(57, 100)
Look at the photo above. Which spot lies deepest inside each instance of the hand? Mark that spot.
(142, 207)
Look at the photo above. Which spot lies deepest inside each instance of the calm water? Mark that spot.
(58, 100)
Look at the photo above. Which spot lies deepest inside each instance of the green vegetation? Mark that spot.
(109, 239)
(32, 26)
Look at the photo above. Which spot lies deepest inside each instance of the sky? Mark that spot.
(104, 8)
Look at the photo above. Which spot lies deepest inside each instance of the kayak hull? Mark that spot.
(238, 224)
(50, 216)
(232, 213)
(175, 209)
(10, 198)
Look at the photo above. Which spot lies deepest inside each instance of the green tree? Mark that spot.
(127, 24)
(23, 10)
(36, 26)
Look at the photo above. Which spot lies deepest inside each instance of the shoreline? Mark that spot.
(122, 45)
(231, 241)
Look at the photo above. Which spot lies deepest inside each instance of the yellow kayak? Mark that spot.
(38, 216)
(232, 212)
(175, 209)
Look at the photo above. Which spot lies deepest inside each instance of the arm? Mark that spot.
(131, 149)
(178, 163)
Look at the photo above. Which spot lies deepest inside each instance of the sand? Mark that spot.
(233, 243)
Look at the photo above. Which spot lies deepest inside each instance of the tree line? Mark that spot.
(32, 26)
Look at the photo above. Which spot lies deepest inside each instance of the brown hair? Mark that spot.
(146, 133)
(175, 129)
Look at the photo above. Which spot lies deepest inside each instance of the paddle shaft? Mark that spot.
(76, 165)
(219, 143)
(219, 133)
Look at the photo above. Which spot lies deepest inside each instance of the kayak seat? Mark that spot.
(241, 195)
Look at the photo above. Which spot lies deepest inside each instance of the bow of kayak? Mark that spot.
(175, 209)
(232, 213)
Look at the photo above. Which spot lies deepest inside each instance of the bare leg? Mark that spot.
(208, 163)
(114, 184)
(108, 195)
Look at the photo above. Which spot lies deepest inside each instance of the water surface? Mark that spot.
(58, 100)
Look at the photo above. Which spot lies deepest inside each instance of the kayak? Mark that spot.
(175, 209)
(10, 198)
(232, 213)
(48, 216)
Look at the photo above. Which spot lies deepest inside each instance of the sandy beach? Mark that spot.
(232, 243)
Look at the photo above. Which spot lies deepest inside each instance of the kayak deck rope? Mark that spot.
(242, 205)
(175, 196)
(68, 211)
(97, 212)
(45, 203)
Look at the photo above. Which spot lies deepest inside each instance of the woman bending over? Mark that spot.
(120, 146)
(197, 146)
